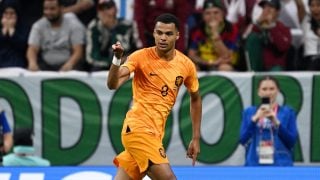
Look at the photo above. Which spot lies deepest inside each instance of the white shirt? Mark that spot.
(310, 39)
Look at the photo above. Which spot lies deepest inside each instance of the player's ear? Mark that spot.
(178, 35)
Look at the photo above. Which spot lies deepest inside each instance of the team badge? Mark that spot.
(162, 153)
(179, 80)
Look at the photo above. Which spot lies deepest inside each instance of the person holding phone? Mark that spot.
(268, 131)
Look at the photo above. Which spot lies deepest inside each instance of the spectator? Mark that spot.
(269, 131)
(291, 15)
(13, 37)
(311, 33)
(84, 9)
(145, 11)
(6, 140)
(214, 43)
(30, 11)
(23, 151)
(57, 38)
(268, 42)
(104, 31)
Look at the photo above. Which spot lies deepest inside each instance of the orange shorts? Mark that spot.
(140, 148)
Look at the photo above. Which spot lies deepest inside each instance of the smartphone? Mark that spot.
(265, 103)
(265, 100)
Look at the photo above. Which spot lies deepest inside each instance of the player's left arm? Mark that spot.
(196, 113)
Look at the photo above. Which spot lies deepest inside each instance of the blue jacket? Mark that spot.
(285, 136)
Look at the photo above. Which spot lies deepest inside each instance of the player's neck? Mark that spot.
(166, 55)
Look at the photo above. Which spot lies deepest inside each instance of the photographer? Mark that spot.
(269, 131)
(6, 139)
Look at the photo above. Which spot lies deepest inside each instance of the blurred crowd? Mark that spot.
(218, 35)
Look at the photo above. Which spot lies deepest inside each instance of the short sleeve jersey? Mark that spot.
(155, 87)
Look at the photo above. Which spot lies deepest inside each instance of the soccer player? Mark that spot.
(159, 72)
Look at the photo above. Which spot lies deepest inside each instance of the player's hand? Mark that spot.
(117, 49)
(193, 150)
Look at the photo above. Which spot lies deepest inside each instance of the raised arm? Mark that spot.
(196, 113)
(117, 74)
(301, 10)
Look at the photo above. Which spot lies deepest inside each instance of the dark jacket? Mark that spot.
(13, 48)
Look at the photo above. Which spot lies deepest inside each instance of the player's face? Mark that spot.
(52, 10)
(165, 36)
(268, 88)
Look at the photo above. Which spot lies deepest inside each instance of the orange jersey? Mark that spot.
(155, 86)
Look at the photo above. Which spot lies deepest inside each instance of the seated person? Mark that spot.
(13, 37)
(23, 150)
(57, 39)
(269, 40)
(214, 43)
(104, 31)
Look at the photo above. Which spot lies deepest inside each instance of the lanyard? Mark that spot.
(261, 120)
(264, 121)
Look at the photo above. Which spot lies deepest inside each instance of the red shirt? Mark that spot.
(278, 43)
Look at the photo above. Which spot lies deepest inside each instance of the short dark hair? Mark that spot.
(168, 18)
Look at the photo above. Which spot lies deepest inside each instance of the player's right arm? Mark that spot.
(117, 74)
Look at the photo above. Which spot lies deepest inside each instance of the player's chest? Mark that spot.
(163, 75)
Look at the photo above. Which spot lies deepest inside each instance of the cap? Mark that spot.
(213, 3)
(275, 3)
(105, 4)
